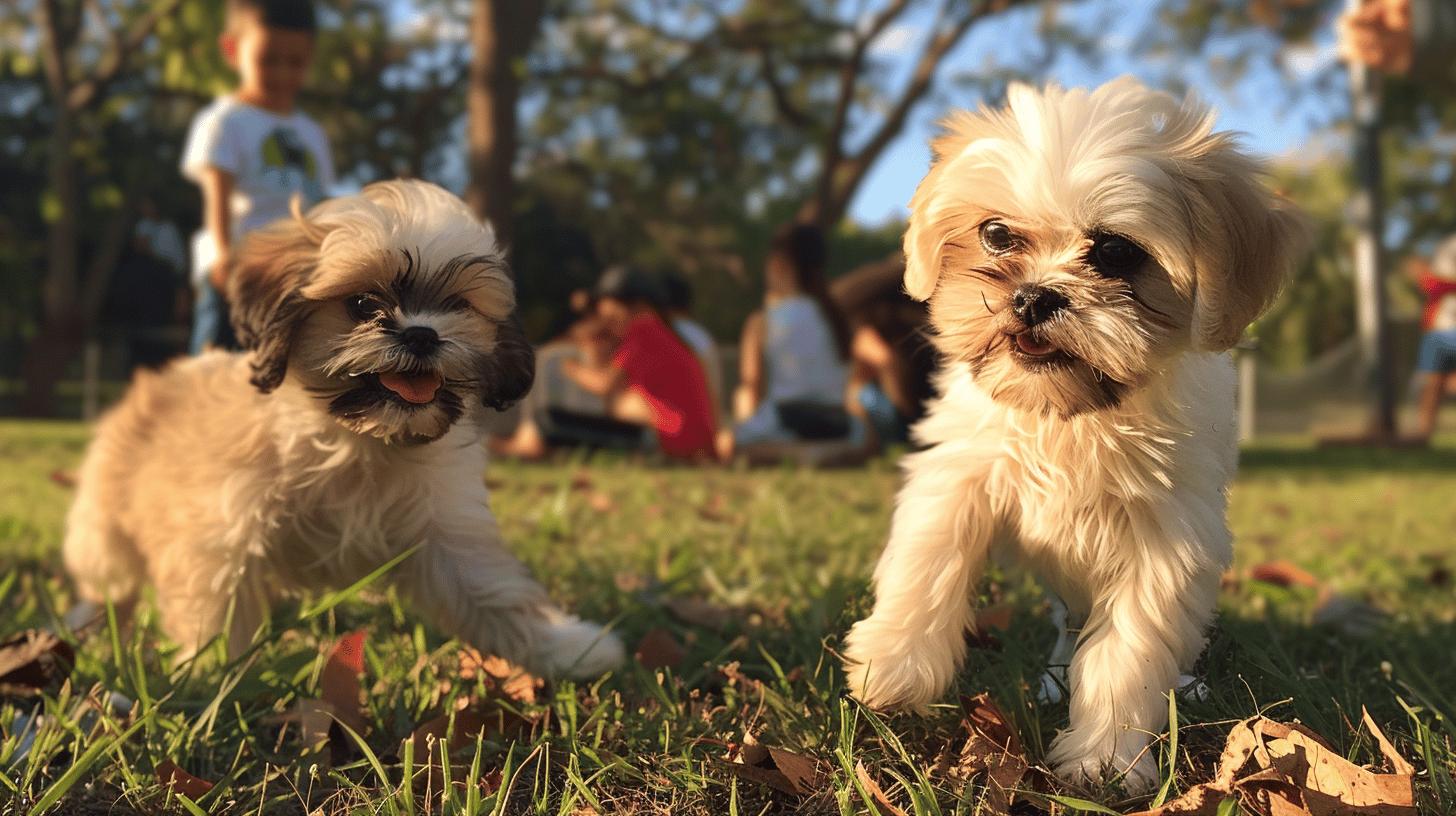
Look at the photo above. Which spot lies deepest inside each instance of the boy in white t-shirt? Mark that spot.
(251, 151)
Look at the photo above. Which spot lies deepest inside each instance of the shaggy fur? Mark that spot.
(228, 480)
(1091, 438)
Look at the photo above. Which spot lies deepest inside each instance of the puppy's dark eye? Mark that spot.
(457, 304)
(365, 306)
(997, 238)
(1115, 255)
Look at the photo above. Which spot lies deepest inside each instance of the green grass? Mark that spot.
(792, 550)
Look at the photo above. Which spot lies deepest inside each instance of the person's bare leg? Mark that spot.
(526, 443)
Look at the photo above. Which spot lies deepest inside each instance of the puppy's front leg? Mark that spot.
(907, 651)
(1136, 639)
(479, 592)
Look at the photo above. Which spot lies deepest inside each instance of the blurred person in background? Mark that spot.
(678, 306)
(1402, 37)
(891, 359)
(1416, 38)
(559, 412)
(794, 358)
(1436, 359)
(252, 151)
(653, 378)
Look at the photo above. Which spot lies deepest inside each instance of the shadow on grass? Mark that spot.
(1346, 461)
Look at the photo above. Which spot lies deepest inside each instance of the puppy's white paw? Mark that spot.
(576, 648)
(1135, 766)
(886, 671)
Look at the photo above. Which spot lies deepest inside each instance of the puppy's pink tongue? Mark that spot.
(416, 388)
(1033, 346)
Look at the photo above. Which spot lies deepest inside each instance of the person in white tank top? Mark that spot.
(793, 374)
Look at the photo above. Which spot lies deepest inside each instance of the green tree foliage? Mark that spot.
(680, 133)
(387, 98)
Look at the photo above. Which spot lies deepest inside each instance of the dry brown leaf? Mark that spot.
(601, 502)
(995, 617)
(989, 622)
(1397, 762)
(510, 679)
(875, 791)
(778, 768)
(339, 681)
(169, 775)
(1335, 786)
(1284, 574)
(35, 659)
(1284, 769)
(991, 748)
(658, 649)
(699, 612)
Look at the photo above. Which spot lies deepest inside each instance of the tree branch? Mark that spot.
(87, 92)
(785, 106)
(848, 77)
(54, 50)
(841, 180)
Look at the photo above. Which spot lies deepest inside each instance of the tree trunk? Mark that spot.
(59, 335)
(501, 32)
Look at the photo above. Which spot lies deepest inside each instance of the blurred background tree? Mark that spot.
(672, 133)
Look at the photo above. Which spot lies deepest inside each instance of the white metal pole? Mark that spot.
(1368, 214)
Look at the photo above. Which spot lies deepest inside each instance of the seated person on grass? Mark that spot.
(653, 379)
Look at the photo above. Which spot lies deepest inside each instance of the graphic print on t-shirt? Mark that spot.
(291, 163)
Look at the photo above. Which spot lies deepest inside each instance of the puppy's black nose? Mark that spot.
(1036, 304)
(419, 339)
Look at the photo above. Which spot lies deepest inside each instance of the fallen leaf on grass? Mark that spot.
(339, 681)
(989, 622)
(1397, 762)
(875, 791)
(991, 748)
(601, 502)
(658, 649)
(1278, 769)
(1284, 574)
(35, 659)
(508, 678)
(169, 775)
(778, 768)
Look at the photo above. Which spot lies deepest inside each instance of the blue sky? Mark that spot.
(1259, 104)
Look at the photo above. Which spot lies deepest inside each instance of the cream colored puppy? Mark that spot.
(381, 332)
(1089, 258)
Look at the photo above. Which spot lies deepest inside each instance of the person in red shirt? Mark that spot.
(1436, 359)
(654, 378)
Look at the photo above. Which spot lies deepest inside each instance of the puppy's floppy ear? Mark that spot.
(263, 293)
(506, 374)
(926, 234)
(1250, 243)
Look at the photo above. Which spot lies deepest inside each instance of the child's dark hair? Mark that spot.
(291, 15)
(677, 292)
(807, 253)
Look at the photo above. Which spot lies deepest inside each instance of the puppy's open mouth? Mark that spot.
(1031, 349)
(415, 388)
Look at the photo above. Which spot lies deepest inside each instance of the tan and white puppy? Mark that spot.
(1089, 258)
(381, 333)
